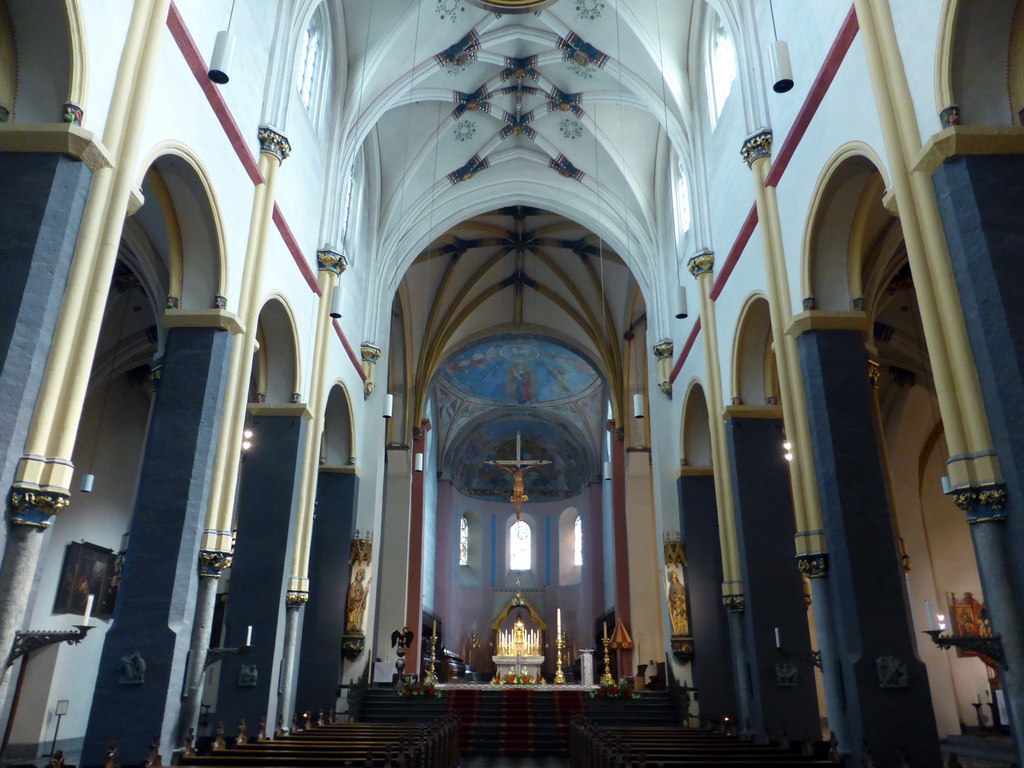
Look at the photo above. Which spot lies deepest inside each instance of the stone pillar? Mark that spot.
(979, 200)
(646, 590)
(138, 687)
(414, 592)
(41, 206)
(259, 571)
(393, 549)
(712, 664)
(620, 530)
(886, 701)
(329, 576)
(783, 693)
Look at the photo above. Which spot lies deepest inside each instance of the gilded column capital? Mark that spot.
(983, 504)
(756, 146)
(213, 563)
(734, 603)
(701, 262)
(813, 566)
(874, 371)
(296, 598)
(36, 508)
(274, 142)
(369, 352)
(663, 349)
(331, 261)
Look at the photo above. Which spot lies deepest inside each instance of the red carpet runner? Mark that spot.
(467, 705)
(516, 733)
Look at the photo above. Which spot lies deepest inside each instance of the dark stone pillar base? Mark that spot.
(156, 602)
(887, 701)
(712, 661)
(783, 698)
(329, 574)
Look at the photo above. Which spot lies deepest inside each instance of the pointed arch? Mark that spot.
(278, 357)
(695, 428)
(338, 442)
(754, 370)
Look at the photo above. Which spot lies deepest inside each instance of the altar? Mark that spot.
(518, 648)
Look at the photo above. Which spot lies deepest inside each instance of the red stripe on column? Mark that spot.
(686, 351)
(194, 59)
(827, 73)
(746, 230)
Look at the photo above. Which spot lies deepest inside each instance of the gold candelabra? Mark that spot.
(606, 678)
(431, 678)
(559, 645)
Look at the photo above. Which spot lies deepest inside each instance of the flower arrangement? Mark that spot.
(511, 678)
(413, 687)
(620, 690)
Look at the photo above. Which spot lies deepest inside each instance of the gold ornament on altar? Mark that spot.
(518, 641)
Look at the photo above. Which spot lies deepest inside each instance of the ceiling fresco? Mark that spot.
(520, 371)
(495, 388)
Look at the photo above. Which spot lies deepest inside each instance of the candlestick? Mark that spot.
(606, 678)
(559, 675)
(248, 636)
(88, 610)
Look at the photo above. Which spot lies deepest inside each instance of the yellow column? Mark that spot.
(331, 264)
(972, 461)
(274, 148)
(702, 266)
(810, 539)
(45, 469)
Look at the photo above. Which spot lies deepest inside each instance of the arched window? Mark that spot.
(682, 200)
(719, 68)
(312, 60)
(577, 542)
(464, 541)
(519, 546)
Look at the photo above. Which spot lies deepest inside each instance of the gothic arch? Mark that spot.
(851, 186)
(979, 65)
(178, 184)
(754, 368)
(696, 428)
(277, 367)
(338, 443)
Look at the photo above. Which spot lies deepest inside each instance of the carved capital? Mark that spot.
(666, 388)
(368, 387)
(874, 371)
(73, 114)
(296, 598)
(734, 603)
(370, 352)
(757, 146)
(212, 564)
(331, 261)
(663, 349)
(274, 143)
(813, 566)
(36, 508)
(701, 262)
(983, 504)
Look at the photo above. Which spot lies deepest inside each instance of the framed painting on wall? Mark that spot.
(88, 569)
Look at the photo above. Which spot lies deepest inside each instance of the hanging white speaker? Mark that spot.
(607, 470)
(418, 462)
(681, 309)
(87, 481)
(389, 405)
(638, 406)
(336, 302)
(947, 487)
(782, 68)
(223, 53)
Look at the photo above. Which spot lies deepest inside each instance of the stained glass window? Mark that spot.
(519, 545)
(577, 542)
(464, 541)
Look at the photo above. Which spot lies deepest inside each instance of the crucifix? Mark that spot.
(517, 466)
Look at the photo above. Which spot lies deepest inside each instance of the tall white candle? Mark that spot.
(931, 616)
(248, 636)
(88, 609)
(605, 623)
(778, 640)
(559, 624)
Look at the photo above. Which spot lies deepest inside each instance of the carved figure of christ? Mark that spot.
(516, 467)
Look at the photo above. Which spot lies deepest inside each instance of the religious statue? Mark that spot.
(356, 605)
(516, 467)
(133, 670)
(677, 605)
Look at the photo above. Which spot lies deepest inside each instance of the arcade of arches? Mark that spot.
(440, 315)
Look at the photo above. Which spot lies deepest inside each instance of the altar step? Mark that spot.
(496, 720)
